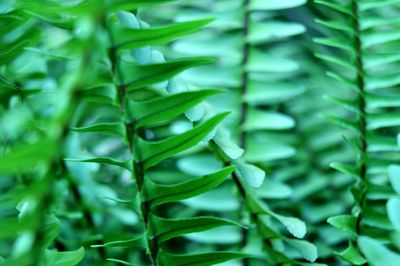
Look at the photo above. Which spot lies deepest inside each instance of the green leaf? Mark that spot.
(155, 152)
(115, 129)
(52, 229)
(166, 229)
(104, 160)
(346, 223)
(135, 38)
(165, 108)
(338, 7)
(305, 248)
(334, 42)
(347, 169)
(253, 175)
(199, 259)
(139, 76)
(295, 226)
(160, 194)
(136, 242)
(66, 258)
(336, 25)
(376, 253)
(352, 255)
(393, 210)
(337, 61)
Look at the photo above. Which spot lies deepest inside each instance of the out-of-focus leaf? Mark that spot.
(305, 248)
(66, 258)
(376, 253)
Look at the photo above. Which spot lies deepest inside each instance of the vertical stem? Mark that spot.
(361, 104)
(244, 106)
(245, 73)
(132, 135)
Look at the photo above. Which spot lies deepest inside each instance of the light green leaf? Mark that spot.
(393, 210)
(260, 119)
(253, 175)
(295, 226)
(259, 61)
(224, 140)
(261, 93)
(305, 248)
(273, 30)
(275, 4)
(376, 253)
(394, 177)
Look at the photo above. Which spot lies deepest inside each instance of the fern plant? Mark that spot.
(371, 125)
(123, 144)
(239, 43)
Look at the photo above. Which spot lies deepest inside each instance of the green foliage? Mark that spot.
(229, 132)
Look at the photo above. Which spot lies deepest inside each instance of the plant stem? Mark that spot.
(361, 107)
(245, 73)
(254, 216)
(244, 106)
(132, 135)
